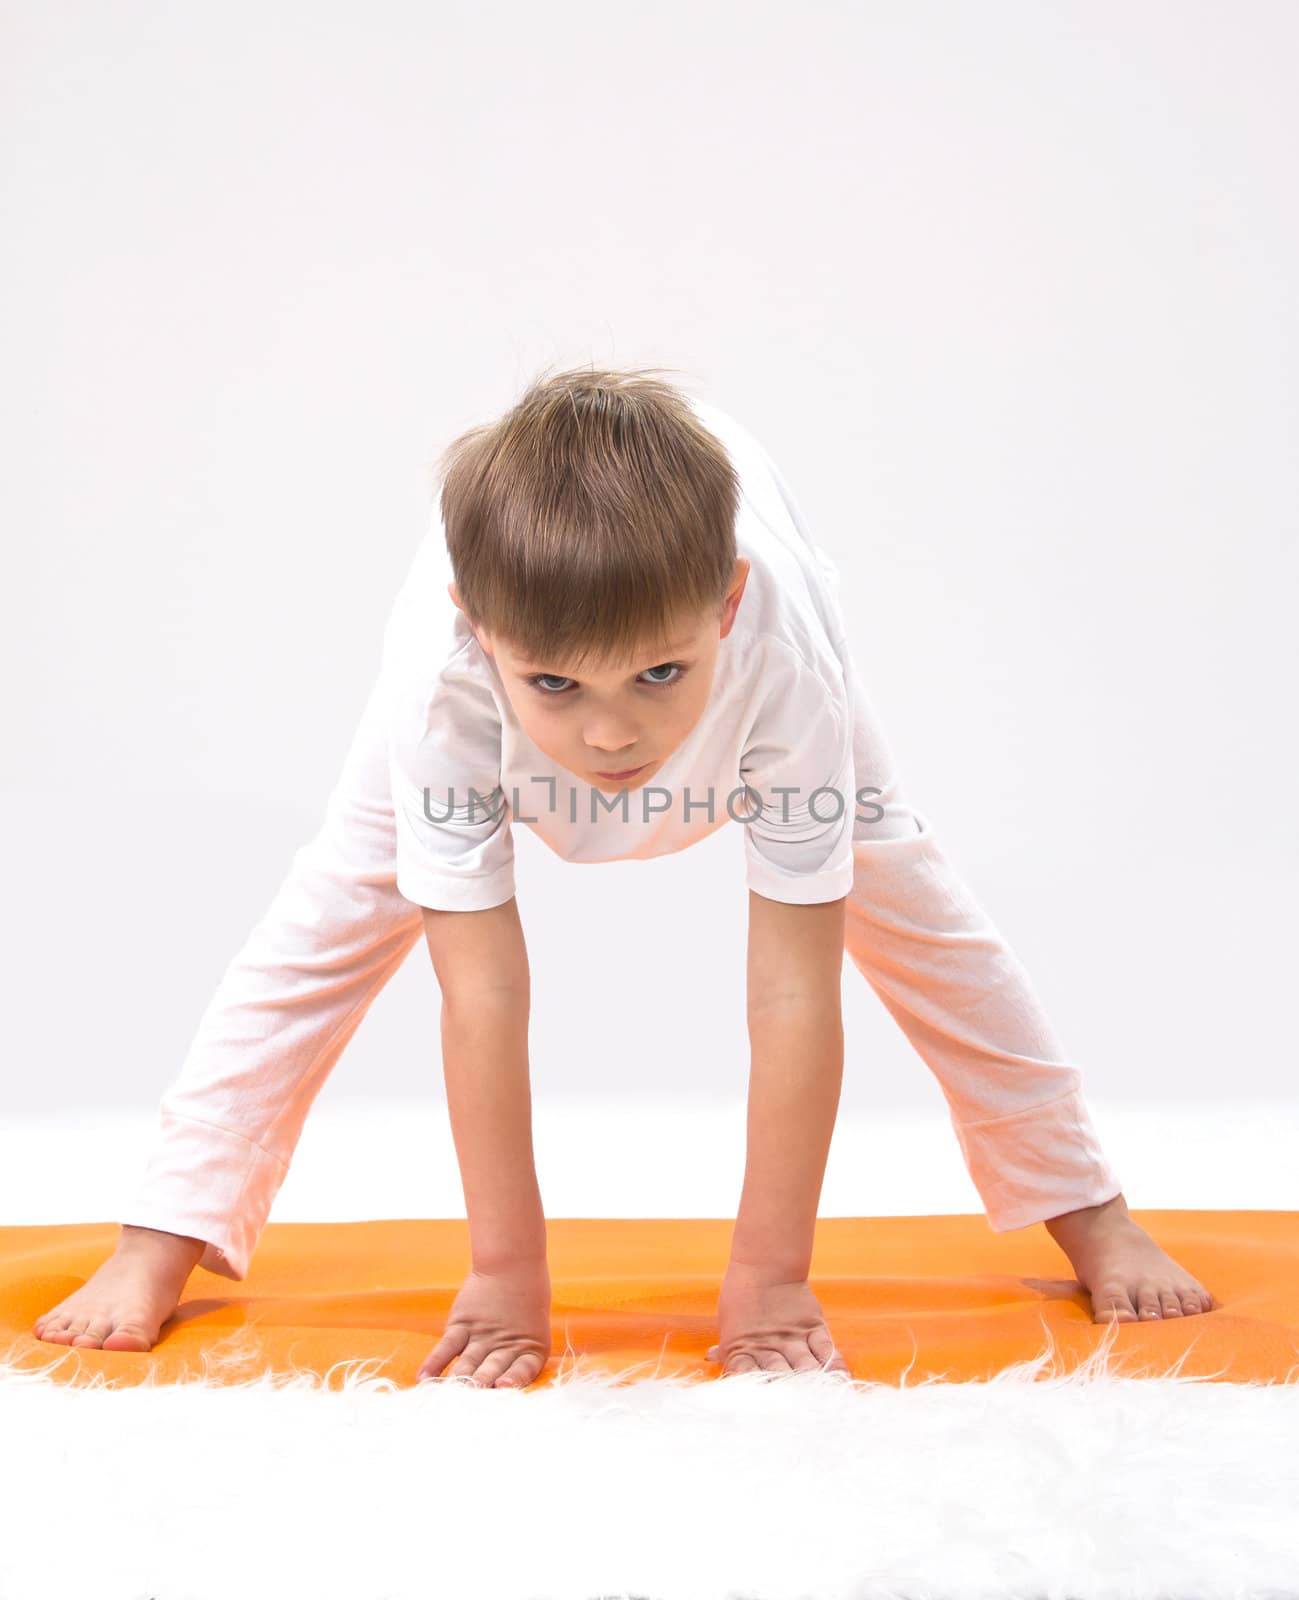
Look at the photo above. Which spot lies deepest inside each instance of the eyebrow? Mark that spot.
(672, 649)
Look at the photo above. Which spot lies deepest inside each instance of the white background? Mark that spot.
(1008, 293)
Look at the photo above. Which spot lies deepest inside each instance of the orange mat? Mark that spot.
(940, 1295)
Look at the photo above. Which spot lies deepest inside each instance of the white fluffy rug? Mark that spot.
(807, 1487)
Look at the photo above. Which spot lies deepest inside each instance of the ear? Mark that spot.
(732, 602)
(482, 638)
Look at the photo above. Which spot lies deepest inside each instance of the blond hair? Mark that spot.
(592, 518)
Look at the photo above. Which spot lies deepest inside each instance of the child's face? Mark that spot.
(633, 713)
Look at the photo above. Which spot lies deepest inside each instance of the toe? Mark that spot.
(1112, 1304)
(1169, 1303)
(95, 1331)
(1148, 1306)
(129, 1336)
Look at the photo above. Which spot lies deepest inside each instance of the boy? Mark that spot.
(620, 632)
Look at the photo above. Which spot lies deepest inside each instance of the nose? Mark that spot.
(609, 744)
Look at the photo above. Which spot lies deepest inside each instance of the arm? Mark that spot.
(482, 969)
(795, 963)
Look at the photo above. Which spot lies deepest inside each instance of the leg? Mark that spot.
(963, 999)
(335, 933)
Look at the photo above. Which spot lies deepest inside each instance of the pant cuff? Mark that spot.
(209, 1183)
(1037, 1163)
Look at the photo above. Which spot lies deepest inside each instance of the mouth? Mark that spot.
(630, 772)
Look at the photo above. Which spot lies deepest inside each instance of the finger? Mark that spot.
(450, 1344)
(797, 1356)
(831, 1362)
(524, 1371)
(821, 1343)
(740, 1363)
(469, 1363)
(494, 1365)
(772, 1361)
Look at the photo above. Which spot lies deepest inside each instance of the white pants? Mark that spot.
(338, 929)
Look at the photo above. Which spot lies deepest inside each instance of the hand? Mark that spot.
(771, 1326)
(499, 1327)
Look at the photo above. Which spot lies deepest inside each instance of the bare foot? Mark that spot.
(1125, 1272)
(125, 1303)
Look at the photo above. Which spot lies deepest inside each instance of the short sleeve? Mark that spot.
(797, 766)
(825, 593)
(455, 848)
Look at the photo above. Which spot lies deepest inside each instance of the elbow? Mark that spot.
(813, 1003)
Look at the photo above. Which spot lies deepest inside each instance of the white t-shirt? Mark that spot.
(772, 751)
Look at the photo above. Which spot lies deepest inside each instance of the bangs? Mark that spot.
(594, 522)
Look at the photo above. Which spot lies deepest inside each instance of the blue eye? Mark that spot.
(553, 684)
(667, 666)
